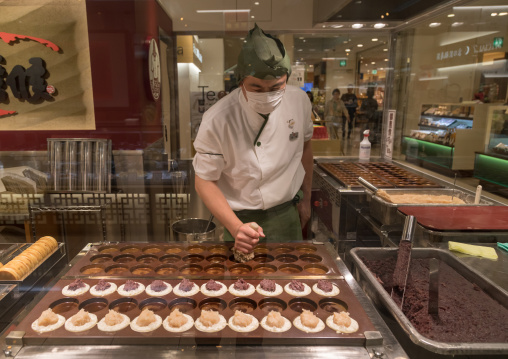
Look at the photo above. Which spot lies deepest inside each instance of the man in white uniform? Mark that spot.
(254, 157)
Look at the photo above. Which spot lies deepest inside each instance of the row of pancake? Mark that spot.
(24, 263)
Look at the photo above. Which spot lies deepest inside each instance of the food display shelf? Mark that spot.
(203, 260)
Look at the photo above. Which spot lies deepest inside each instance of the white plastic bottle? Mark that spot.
(365, 147)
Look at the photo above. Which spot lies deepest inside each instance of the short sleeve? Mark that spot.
(209, 159)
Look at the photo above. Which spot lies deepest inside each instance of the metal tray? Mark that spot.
(382, 299)
(386, 212)
(425, 237)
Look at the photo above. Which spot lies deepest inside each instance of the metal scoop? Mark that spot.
(403, 264)
(367, 185)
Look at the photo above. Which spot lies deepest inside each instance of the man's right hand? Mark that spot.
(246, 237)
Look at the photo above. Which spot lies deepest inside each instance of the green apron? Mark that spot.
(280, 223)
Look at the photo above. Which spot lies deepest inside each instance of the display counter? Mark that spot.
(373, 338)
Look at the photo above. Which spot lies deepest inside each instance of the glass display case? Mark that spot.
(447, 136)
(491, 165)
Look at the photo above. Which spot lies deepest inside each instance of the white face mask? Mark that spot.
(264, 102)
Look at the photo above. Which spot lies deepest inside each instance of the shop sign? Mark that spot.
(25, 84)
(497, 43)
(374, 72)
(389, 135)
(154, 69)
(342, 63)
(297, 76)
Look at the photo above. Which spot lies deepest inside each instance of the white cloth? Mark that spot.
(251, 176)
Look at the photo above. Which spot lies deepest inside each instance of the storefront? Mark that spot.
(100, 106)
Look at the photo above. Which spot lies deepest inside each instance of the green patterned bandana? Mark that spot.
(262, 56)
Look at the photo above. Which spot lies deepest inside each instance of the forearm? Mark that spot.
(307, 162)
(215, 201)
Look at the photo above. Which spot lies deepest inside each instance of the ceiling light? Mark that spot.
(357, 26)
(299, 50)
(301, 38)
(256, 3)
(225, 10)
(181, 19)
(385, 49)
(347, 50)
(451, 15)
(387, 14)
(386, 59)
(252, 16)
(324, 26)
(345, 41)
(373, 62)
(434, 24)
(379, 25)
(493, 14)
(360, 45)
(382, 16)
(374, 39)
(455, 24)
(337, 26)
(304, 40)
(503, 13)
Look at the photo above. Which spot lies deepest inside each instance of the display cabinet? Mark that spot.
(447, 136)
(491, 164)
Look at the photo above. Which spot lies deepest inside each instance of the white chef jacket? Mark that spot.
(253, 176)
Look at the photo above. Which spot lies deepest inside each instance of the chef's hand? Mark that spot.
(246, 237)
(304, 211)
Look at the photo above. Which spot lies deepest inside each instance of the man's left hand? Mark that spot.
(304, 211)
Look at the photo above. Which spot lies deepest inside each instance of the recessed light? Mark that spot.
(385, 49)
(304, 40)
(299, 50)
(387, 14)
(373, 62)
(345, 41)
(324, 26)
(434, 24)
(379, 25)
(360, 45)
(451, 15)
(181, 19)
(503, 13)
(252, 16)
(382, 16)
(301, 37)
(456, 24)
(493, 14)
(357, 26)
(256, 3)
(337, 26)
(386, 59)
(347, 50)
(374, 39)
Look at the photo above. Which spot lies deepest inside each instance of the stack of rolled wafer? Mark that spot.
(28, 260)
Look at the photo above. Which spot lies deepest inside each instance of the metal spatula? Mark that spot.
(403, 265)
(434, 287)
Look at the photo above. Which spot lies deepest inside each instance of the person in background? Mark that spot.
(351, 102)
(315, 116)
(253, 159)
(335, 110)
(367, 112)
